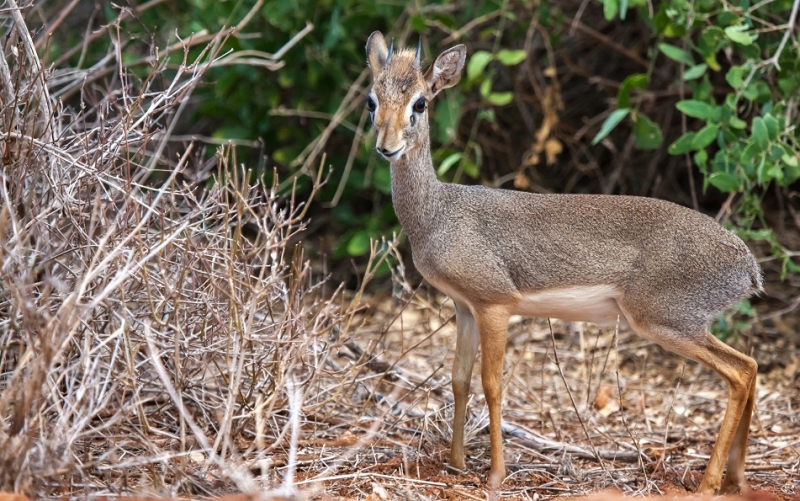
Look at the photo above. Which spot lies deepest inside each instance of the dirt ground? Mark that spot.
(650, 416)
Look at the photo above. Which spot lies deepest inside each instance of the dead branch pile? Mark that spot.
(152, 310)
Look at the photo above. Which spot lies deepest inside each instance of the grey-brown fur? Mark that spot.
(675, 265)
(672, 269)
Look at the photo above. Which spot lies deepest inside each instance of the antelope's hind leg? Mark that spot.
(739, 372)
(734, 476)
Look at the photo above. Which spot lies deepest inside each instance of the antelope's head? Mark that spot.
(398, 101)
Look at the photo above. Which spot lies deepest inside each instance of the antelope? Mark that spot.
(664, 270)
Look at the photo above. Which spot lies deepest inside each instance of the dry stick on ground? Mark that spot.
(640, 455)
(600, 374)
(371, 432)
(541, 443)
(662, 459)
(402, 356)
(375, 260)
(574, 406)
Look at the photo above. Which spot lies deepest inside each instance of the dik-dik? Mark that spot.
(664, 270)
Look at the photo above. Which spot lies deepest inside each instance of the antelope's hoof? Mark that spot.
(733, 487)
(496, 478)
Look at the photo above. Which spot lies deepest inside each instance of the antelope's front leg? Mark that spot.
(467, 341)
(492, 326)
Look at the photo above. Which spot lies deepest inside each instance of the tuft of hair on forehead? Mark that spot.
(402, 70)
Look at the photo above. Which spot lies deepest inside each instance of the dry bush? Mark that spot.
(158, 327)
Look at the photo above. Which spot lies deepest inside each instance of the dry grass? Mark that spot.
(162, 334)
(649, 416)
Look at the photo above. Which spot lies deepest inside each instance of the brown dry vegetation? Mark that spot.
(161, 334)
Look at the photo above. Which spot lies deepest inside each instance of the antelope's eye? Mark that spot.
(419, 106)
(371, 104)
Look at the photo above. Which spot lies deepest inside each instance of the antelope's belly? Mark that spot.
(592, 303)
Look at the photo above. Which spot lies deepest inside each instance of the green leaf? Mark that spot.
(500, 98)
(486, 88)
(791, 161)
(789, 84)
(710, 41)
(695, 72)
(712, 63)
(750, 92)
(675, 53)
(751, 151)
(358, 244)
(739, 34)
(775, 152)
(737, 123)
(648, 134)
(610, 9)
(724, 182)
(774, 172)
(705, 136)
(511, 57)
(611, 121)
(673, 30)
(623, 9)
(694, 108)
(701, 158)
(682, 145)
(418, 23)
(735, 77)
(471, 168)
(448, 162)
(772, 126)
(477, 63)
(638, 81)
(760, 134)
(761, 171)
(487, 114)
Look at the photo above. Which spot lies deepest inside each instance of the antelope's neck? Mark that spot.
(416, 191)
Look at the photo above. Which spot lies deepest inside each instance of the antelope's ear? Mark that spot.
(376, 52)
(446, 70)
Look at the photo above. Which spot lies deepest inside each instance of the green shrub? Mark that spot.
(746, 140)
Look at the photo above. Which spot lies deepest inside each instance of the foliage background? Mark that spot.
(691, 101)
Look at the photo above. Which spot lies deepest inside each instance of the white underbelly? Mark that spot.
(587, 303)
